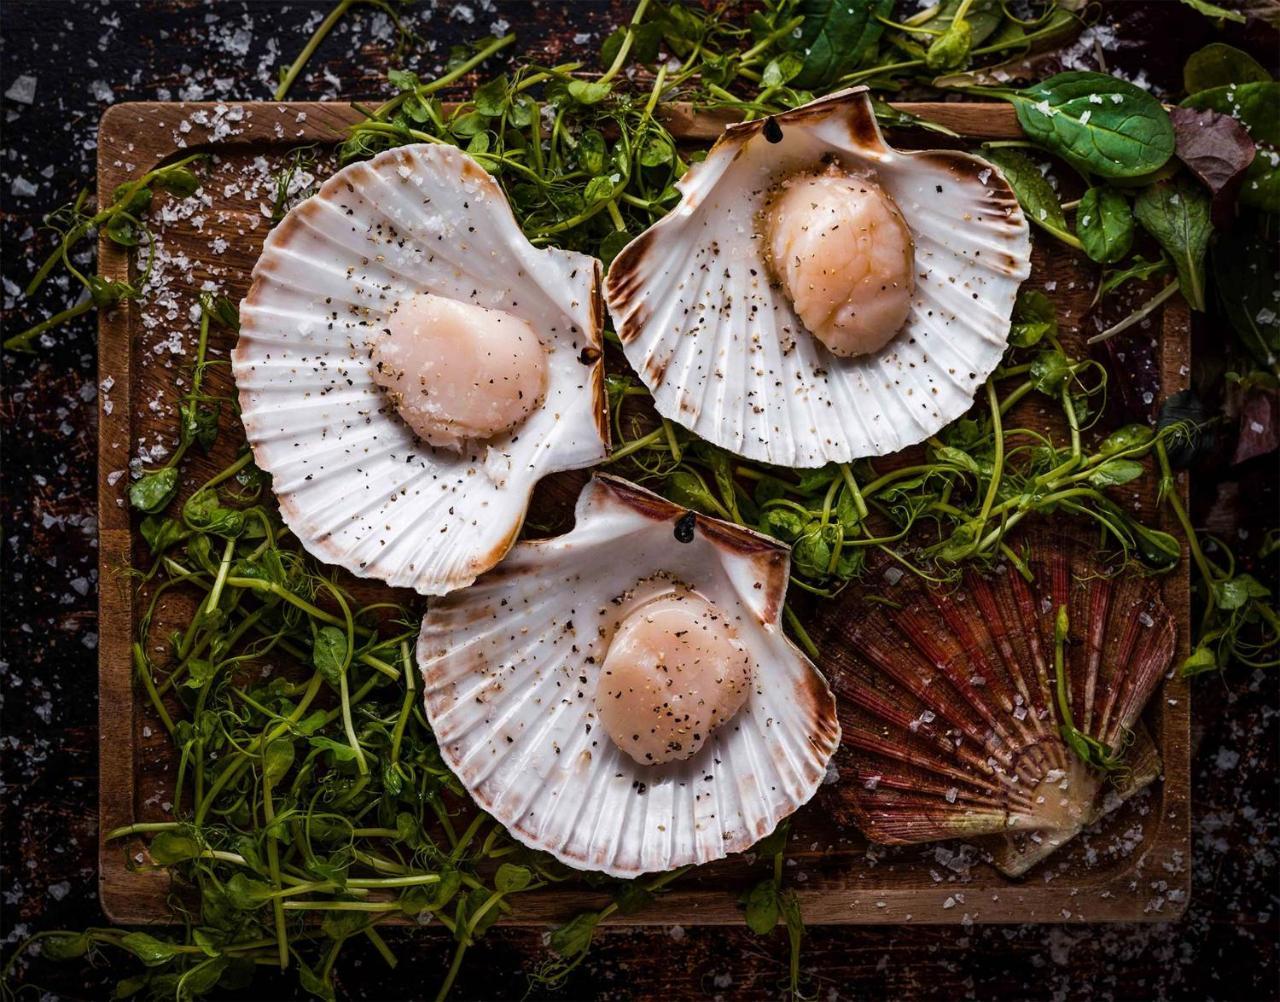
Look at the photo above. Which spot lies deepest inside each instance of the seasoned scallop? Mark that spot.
(623, 696)
(409, 366)
(819, 296)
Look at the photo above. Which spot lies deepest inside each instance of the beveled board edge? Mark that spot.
(137, 133)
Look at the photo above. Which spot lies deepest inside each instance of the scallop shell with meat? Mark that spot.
(512, 665)
(949, 699)
(354, 483)
(711, 332)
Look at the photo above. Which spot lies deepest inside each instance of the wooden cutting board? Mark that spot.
(1136, 867)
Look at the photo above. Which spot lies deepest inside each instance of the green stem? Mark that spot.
(452, 974)
(273, 867)
(620, 60)
(22, 342)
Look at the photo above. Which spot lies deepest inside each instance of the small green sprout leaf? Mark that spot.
(154, 491)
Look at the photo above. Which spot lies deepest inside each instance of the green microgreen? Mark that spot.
(123, 222)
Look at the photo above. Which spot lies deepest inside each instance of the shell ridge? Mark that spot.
(991, 761)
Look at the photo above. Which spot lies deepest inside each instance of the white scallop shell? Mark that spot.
(511, 666)
(353, 482)
(724, 353)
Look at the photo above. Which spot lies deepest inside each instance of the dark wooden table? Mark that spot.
(84, 56)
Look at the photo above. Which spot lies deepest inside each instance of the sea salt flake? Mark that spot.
(22, 90)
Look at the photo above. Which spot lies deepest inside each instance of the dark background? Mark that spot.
(85, 56)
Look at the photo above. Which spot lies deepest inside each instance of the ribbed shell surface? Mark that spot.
(948, 696)
(353, 482)
(723, 351)
(511, 666)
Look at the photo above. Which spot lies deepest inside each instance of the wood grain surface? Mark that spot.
(838, 877)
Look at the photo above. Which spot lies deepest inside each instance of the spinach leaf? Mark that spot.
(1097, 123)
(1217, 65)
(836, 36)
(1105, 225)
(1035, 194)
(1176, 213)
(1246, 271)
(1256, 106)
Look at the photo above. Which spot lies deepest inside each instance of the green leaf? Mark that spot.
(491, 99)
(1246, 271)
(1050, 372)
(123, 230)
(277, 760)
(1034, 318)
(466, 126)
(340, 751)
(984, 17)
(1097, 123)
(1129, 437)
(160, 533)
(762, 907)
(151, 951)
(1139, 270)
(688, 490)
(632, 897)
(1176, 213)
(201, 979)
(1104, 224)
(1114, 472)
(511, 878)
(657, 150)
(837, 36)
(1214, 11)
(474, 904)
(1217, 65)
(591, 151)
(65, 945)
(611, 246)
(247, 894)
(1035, 194)
(155, 490)
(1199, 661)
(598, 189)
(1256, 106)
(168, 848)
(402, 79)
(589, 91)
(574, 937)
(178, 179)
(128, 987)
(329, 654)
(781, 70)
(522, 110)
(811, 553)
(319, 985)
(957, 458)
(1236, 592)
(950, 50)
